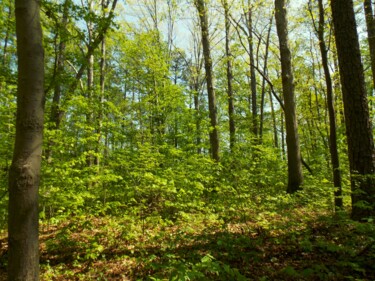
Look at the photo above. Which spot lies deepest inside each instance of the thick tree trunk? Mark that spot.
(214, 133)
(331, 110)
(295, 177)
(358, 124)
(232, 127)
(25, 170)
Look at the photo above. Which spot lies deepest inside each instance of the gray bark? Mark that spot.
(295, 177)
(25, 169)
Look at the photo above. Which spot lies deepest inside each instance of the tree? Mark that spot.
(104, 5)
(331, 110)
(253, 82)
(246, 26)
(330, 105)
(25, 169)
(370, 23)
(232, 127)
(59, 69)
(196, 80)
(95, 38)
(263, 93)
(295, 177)
(214, 133)
(358, 125)
(58, 73)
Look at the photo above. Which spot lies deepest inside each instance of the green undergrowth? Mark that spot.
(297, 245)
(169, 215)
(275, 238)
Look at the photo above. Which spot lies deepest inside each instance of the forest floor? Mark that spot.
(295, 245)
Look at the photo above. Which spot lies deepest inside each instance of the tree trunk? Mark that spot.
(195, 90)
(101, 99)
(264, 83)
(99, 128)
(358, 124)
(274, 124)
(295, 177)
(90, 89)
(232, 127)
(93, 44)
(56, 115)
(331, 110)
(282, 131)
(214, 134)
(25, 170)
(370, 23)
(253, 82)
(195, 85)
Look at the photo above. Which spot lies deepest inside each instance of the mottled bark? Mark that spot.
(295, 177)
(214, 133)
(358, 125)
(25, 169)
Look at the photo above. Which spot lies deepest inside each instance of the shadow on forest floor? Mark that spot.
(309, 247)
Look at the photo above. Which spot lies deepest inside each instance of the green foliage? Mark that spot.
(128, 190)
(7, 132)
(207, 269)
